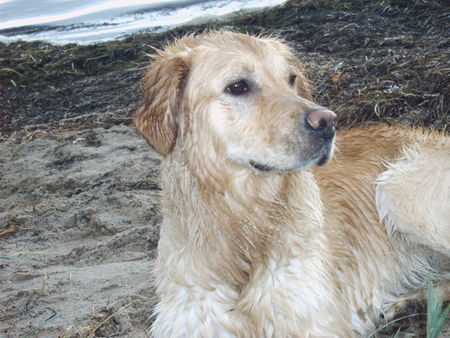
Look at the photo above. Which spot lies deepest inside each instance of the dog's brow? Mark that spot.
(238, 74)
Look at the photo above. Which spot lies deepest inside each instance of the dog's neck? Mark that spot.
(233, 218)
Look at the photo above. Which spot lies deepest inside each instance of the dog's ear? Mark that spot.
(157, 117)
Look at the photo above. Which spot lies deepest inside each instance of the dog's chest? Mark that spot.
(293, 295)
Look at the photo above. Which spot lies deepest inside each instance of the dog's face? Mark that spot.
(246, 96)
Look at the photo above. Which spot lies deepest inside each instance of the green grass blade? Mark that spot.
(436, 316)
(10, 70)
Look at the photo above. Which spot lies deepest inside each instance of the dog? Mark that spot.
(265, 232)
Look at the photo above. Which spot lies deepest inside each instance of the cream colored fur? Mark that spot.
(296, 250)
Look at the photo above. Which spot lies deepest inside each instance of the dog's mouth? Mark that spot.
(261, 167)
(320, 158)
(323, 160)
(265, 168)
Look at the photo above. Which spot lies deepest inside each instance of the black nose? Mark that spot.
(321, 122)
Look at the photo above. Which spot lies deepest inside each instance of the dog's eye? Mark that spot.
(292, 79)
(238, 88)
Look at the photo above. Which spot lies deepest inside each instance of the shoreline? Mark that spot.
(134, 19)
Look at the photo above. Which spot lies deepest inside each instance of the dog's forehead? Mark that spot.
(248, 54)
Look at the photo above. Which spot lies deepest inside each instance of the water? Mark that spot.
(83, 22)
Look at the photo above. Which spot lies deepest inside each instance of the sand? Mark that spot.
(84, 207)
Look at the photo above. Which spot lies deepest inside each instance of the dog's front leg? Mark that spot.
(187, 310)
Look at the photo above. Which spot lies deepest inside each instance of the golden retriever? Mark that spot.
(260, 238)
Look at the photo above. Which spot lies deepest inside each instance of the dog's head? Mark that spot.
(245, 97)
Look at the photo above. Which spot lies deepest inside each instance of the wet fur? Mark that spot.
(297, 250)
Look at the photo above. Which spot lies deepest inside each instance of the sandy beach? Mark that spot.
(79, 191)
(83, 209)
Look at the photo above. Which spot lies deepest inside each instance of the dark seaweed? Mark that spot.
(370, 61)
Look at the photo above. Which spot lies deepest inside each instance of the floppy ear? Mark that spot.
(157, 117)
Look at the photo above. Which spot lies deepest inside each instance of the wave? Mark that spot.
(112, 20)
